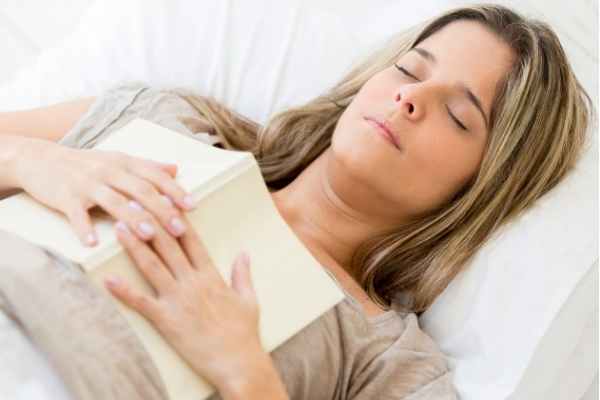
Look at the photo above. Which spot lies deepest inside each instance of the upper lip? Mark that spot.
(386, 125)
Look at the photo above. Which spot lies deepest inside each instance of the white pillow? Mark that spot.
(501, 321)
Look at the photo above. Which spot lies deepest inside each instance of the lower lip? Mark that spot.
(382, 132)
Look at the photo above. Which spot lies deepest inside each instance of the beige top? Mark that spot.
(344, 354)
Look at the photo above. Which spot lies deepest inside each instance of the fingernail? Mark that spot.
(113, 282)
(178, 226)
(146, 229)
(135, 205)
(188, 202)
(120, 225)
(245, 258)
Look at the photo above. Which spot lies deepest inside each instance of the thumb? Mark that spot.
(241, 279)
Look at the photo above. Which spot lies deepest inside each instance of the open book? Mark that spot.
(234, 211)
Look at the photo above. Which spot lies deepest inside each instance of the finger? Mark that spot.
(241, 279)
(145, 305)
(119, 207)
(167, 200)
(125, 160)
(169, 250)
(165, 183)
(196, 251)
(149, 265)
(80, 220)
(171, 169)
(150, 200)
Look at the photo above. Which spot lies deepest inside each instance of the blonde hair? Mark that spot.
(538, 124)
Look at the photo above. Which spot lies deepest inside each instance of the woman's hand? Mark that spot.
(73, 181)
(211, 325)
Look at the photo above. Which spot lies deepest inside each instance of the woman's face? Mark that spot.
(441, 128)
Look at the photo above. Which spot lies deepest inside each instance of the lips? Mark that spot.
(386, 126)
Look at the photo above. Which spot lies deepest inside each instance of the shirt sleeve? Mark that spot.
(127, 101)
(411, 367)
(408, 379)
(440, 388)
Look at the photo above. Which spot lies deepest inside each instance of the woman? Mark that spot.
(393, 180)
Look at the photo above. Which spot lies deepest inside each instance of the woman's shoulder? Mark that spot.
(135, 99)
(368, 329)
(364, 355)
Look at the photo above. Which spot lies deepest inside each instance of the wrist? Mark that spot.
(259, 381)
(12, 151)
(27, 151)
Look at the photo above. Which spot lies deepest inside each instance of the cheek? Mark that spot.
(373, 96)
(443, 164)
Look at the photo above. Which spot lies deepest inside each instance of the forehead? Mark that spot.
(468, 52)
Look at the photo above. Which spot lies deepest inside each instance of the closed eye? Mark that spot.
(460, 125)
(405, 72)
(456, 120)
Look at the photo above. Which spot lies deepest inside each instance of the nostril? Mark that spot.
(410, 108)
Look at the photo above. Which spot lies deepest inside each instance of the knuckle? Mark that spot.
(144, 189)
(170, 188)
(166, 182)
(151, 219)
(142, 302)
(138, 215)
(165, 213)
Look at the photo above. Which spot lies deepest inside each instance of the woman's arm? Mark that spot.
(48, 123)
(262, 381)
(17, 128)
(10, 148)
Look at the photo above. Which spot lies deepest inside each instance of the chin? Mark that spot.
(359, 155)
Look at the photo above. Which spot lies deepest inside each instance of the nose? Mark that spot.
(409, 104)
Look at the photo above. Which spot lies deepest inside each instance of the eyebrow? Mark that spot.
(464, 88)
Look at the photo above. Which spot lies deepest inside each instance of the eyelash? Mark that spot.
(458, 123)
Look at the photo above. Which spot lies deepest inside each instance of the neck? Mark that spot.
(316, 210)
